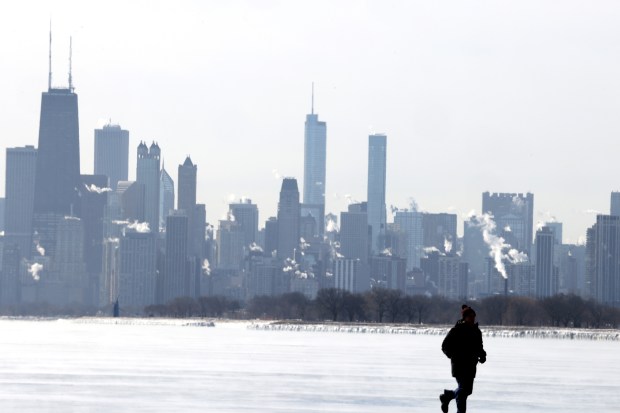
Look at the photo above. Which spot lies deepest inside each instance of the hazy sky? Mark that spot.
(508, 96)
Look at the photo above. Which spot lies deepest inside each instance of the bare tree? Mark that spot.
(354, 306)
(330, 301)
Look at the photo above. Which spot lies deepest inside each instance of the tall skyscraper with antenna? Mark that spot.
(57, 174)
(315, 142)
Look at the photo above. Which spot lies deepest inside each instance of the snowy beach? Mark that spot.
(153, 365)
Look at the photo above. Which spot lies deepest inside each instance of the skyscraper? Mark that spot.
(556, 228)
(512, 213)
(112, 153)
(187, 186)
(475, 254)
(9, 274)
(68, 267)
(187, 180)
(166, 196)
(175, 266)
(411, 223)
(132, 198)
(439, 231)
(315, 142)
(19, 188)
(546, 272)
(138, 269)
(377, 218)
(2, 208)
(289, 211)
(230, 245)
(615, 204)
(246, 215)
(57, 175)
(354, 233)
(271, 236)
(604, 259)
(148, 175)
(94, 201)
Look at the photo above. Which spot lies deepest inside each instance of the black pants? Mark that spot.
(464, 389)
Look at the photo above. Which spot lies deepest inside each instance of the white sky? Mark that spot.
(508, 96)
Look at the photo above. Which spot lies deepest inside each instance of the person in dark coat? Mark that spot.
(463, 346)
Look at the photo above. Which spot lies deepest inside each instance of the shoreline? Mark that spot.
(561, 333)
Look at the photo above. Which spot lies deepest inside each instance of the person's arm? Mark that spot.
(482, 355)
(448, 344)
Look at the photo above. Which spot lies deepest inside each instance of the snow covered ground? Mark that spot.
(99, 365)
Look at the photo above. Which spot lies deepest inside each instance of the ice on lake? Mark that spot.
(72, 365)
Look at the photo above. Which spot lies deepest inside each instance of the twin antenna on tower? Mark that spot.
(49, 76)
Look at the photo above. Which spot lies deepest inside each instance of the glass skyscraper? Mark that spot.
(377, 218)
(314, 160)
(112, 153)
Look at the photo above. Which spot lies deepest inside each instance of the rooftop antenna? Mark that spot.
(312, 99)
(70, 55)
(49, 75)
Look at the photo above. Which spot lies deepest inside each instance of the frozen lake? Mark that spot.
(68, 365)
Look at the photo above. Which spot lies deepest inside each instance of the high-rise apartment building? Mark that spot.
(19, 190)
(377, 214)
(411, 223)
(112, 153)
(603, 259)
(148, 174)
(138, 269)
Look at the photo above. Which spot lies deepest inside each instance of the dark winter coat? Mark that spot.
(463, 346)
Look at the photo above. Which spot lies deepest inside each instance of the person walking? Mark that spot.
(463, 346)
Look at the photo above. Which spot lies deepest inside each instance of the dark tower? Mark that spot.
(187, 186)
(289, 211)
(57, 176)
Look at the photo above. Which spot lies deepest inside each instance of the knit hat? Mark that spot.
(467, 311)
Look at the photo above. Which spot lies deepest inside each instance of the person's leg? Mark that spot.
(464, 389)
(445, 399)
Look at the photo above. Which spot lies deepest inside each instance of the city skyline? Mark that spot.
(542, 135)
